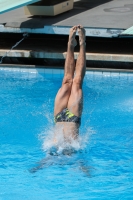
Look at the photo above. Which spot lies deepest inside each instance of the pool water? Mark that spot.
(102, 168)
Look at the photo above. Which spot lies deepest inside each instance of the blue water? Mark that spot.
(102, 168)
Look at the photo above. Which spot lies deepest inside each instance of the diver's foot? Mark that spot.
(81, 32)
(72, 41)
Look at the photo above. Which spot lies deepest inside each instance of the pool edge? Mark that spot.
(37, 67)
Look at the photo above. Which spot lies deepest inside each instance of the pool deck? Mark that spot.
(101, 18)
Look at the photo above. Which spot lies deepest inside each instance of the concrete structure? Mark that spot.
(101, 18)
(7, 5)
(42, 9)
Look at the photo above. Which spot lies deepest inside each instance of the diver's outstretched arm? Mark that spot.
(41, 165)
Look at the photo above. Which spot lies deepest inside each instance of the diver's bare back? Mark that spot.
(70, 129)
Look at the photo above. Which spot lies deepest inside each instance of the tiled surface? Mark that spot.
(59, 73)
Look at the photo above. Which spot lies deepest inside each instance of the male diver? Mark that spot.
(69, 99)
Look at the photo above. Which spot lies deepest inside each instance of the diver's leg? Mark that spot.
(76, 100)
(63, 94)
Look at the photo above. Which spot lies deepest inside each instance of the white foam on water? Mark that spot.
(60, 145)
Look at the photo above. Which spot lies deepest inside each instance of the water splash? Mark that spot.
(59, 145)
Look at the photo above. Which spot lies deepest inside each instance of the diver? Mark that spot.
(69, 99)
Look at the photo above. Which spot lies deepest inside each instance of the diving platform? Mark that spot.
(8, 5)
(101, 18)
(108, 25)
(37, 7)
